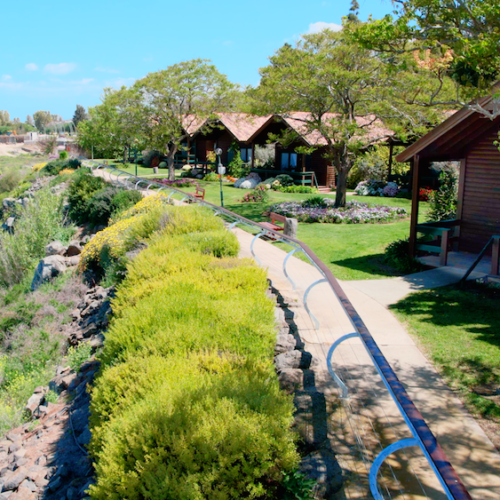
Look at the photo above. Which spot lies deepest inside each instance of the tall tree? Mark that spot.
(29, 120)
(4, 117)
(463, 34)
(42, 119)
(166, 102)
(80, 114)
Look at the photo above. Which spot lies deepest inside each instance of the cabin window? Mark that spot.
(246, 154)
(288, 161)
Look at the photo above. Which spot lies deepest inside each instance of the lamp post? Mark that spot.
(221, 170)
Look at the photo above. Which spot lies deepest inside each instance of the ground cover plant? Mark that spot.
(458, 329)
(187, 403)
(322, 210)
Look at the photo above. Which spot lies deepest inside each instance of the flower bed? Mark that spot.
(353, 213)
(178, 183)
(377, 188)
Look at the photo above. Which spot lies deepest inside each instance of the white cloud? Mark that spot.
(31, 67)
(83, 81)
(119, 82)
(105, 70)
(59, 69)
(6, 78)
(320, 26)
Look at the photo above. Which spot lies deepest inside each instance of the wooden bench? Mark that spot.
(200, 193)
(272, 225)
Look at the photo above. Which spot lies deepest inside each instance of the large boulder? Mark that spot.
(55, 248)
(74, 248)
(8, 203)
(48, 268)
(249, 182)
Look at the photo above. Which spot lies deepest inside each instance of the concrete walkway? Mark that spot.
(369, 420)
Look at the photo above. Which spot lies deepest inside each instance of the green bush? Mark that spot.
(63, 155)
(78, 355)
(10, 179)
(40, 222)
(284, 180)
(443, 202)
(196, 432)
(124, 200)
(99, 207)
(397, 254)
(80, 191)
(55, 166)
(295, 189)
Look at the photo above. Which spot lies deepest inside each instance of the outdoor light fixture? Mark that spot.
(221, 170)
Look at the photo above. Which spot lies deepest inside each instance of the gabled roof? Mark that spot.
(375, 132)
(242, 126)
(449, 139)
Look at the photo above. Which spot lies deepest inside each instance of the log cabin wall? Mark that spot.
(481, 194)
(319, 166)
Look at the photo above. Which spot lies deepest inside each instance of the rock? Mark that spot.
(6, 495)
(291, 226)
(322, 467)
(99, 228)
(19, 454)
(73, 261)
(74, 248)
(84, 240)
(42, 460)
(8, 225)
(55, 483)
(84, 438)
(34, 402)
(67, 380)
(55, 248)
(23, 494)
(294, 359)
(291, 379)
(15, 446)
(97, 341)
(48, 268)
(8, 203)
(28, 484)
(26, 202)
(15, 479)
(285, 343)
(248, 184)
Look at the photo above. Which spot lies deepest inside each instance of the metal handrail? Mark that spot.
(422, 435)
(478, 258)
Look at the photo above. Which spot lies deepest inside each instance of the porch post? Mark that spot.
(253, 155)
(391, 150)
(495, 255)
(414, 205)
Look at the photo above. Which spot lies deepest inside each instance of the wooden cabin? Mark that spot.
(251, 131)
(467, 137)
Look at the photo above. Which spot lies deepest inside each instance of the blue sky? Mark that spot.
(58, 54)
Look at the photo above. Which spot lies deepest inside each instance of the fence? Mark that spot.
(421, 436)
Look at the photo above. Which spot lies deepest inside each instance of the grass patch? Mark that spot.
(459, 329)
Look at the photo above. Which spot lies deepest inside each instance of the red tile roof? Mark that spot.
(241, 125)
(375, 132)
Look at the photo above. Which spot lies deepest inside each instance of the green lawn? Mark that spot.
(459, 330)
(21, 161)
(351, 251)
(141, 171)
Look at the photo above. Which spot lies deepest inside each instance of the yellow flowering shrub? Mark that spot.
(112, 237)
(145, 205)
(38, 166)
(65, 171)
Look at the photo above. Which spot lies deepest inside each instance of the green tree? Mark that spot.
(29, 120)
(336, 82)
(4, 117)
(42, 119)
(164, 104)
(463, 35)
(80, 114)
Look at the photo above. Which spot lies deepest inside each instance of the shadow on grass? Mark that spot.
(460, 329)
(370, 264)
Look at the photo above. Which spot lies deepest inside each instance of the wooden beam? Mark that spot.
(414, 204)
(461, 187)
(391, 150)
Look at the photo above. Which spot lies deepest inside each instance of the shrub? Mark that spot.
(99, 207)
(78, 355)
(38, 223)
(284, 180)
(397, 254)
(63, 155)
(295, 189)
(205, 432)
(38, 166)
(443, 202)
(258, 194)
(80, 191)
(124, 200)
(424, 194)
(10, 179)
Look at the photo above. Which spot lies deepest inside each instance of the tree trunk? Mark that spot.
(340, 196)
(124, 155)
(170, 162)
